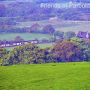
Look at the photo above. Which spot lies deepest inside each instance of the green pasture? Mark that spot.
(25, 36)
(60, 76)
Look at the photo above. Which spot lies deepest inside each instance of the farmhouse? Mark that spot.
(54, 19)
(83, 35)
(16, 43)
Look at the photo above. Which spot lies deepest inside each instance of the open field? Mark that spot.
(63, 76)
(60, 25)
(82, 27)
(47, 45)
(25, 36)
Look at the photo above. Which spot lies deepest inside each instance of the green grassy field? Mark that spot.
(47, 45)
(63, 76)
(25, 36)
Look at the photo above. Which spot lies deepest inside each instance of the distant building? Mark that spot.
(82, 34)
(17, 43)
(88, 35)
(53, 19)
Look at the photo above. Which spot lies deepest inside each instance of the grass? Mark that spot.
(63, 76)
(47, 45)
(25, 36)
(43, 46)
(82, 27)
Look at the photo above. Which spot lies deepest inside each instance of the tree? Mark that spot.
(35, 28)
(18, 39)
(67, 51)
(48, 29)
(25, 54)
(59, 35)
(78, 41)
(3, 53)
(69, 35)
(85, 47)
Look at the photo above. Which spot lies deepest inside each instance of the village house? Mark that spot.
(83, 35)
(17, 43)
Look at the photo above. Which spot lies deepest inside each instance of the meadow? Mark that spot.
(46, 45)
(25, 36)
(43, 46)
(60, 76)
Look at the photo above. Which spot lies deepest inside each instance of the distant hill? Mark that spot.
(32, 10)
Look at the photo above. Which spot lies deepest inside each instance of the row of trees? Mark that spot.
(72, 50)
(57, 35)
(35, 28)
(48, 29)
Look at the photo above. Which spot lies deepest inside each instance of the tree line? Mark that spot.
(72, 50)
(47, 29)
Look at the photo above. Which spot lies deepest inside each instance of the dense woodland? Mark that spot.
(72, 50)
